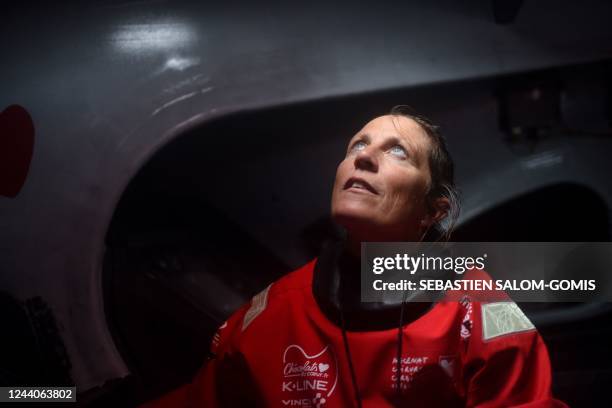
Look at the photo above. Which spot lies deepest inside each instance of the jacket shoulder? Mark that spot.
(272, 297)
(299, 279)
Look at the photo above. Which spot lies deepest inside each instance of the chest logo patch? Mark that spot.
(308, 379)
(502, 318)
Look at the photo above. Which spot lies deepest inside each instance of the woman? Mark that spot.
(308, 341)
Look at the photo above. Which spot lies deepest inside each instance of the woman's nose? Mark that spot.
(366, 160)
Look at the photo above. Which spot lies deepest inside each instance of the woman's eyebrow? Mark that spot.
(394, 140)
(363, 137)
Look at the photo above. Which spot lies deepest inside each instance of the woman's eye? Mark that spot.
(398, 151)
(358, 146)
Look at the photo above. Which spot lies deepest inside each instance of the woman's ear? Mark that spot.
(439, 209)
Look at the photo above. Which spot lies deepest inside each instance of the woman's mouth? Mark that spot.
(359, 185)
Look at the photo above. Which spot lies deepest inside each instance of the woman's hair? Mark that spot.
(442, 175)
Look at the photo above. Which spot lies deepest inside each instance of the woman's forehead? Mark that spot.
(401, 127)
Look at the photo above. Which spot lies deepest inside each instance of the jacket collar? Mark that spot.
(336, 284)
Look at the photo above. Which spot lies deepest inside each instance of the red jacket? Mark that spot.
(280, 350)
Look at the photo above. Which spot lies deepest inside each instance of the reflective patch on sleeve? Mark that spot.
(501, 318)
(258, 305)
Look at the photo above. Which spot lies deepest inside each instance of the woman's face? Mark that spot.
(380, 188)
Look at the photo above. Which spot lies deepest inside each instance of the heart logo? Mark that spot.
(16, 148)
(304, 373)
